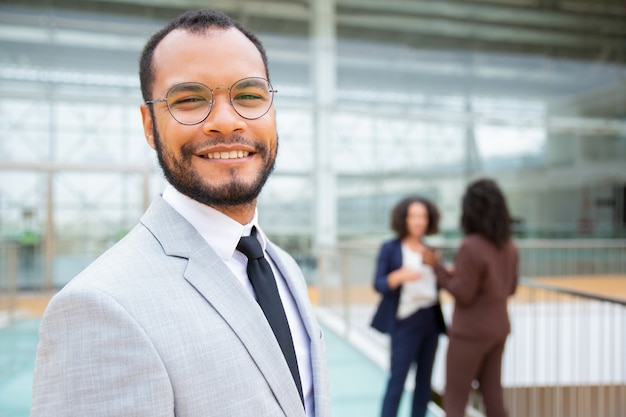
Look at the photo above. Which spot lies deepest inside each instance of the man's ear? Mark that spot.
(148, 124)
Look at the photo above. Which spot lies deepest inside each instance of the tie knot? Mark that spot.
(250, 246)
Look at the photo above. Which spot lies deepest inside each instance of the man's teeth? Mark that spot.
(227, 155)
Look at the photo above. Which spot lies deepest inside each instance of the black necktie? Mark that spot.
(262, 279)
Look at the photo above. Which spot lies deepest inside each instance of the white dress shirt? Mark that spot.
(223, 233)
(418, 294)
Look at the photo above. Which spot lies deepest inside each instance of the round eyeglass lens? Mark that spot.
(189, 103)
(251, 97)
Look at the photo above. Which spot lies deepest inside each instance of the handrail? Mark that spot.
(563, 355)
(529, 282)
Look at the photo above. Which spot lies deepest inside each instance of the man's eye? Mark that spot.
(248, 96)
(188, 101)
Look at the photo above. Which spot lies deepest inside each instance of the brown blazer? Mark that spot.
(481, 282)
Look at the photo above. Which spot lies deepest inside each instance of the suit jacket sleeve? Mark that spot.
(128, 379)
(469, 270)
(389, 259)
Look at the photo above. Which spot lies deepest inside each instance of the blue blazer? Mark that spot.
(390, 259)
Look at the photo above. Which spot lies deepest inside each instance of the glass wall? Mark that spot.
(76, 172)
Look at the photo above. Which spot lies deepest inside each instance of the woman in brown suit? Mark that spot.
(485, 274)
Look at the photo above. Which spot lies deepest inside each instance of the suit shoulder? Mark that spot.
(391, 244)
(133, 254)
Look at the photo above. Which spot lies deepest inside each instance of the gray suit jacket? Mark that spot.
(159, 326)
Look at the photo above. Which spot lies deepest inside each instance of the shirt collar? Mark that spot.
(220, 231)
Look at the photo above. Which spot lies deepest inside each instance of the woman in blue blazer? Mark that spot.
(409, 310)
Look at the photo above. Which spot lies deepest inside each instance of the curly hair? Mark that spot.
(400, 212)
(485, 212)
(194, 21)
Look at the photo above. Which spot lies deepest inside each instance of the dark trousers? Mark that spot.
(469, 360)
(413, 340)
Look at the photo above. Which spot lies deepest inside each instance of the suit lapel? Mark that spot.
(298, 291)
(210, 276)
(290, 270)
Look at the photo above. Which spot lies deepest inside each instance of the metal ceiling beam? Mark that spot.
(560, 30)
(498, 14)
(605, 20)
(480, 31)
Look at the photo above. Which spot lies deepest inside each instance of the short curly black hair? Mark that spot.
(485, 212)
(400, 212)
(194, 21)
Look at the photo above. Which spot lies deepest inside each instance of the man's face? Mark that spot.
(225, 160)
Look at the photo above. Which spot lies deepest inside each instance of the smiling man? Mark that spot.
(171, 321)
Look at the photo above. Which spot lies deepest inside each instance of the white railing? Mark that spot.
(565, 356)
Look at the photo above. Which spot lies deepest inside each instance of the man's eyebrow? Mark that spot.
(188, 87)
(248, 83)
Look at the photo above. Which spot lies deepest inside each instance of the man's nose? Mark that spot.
(223, 118)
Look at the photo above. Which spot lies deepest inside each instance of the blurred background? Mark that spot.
(376, 100)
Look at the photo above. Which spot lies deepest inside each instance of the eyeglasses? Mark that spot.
(191, 103)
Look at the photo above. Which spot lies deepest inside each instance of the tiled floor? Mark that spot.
(18, 343)
(357, 383)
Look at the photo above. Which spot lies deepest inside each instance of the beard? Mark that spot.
(180, 173)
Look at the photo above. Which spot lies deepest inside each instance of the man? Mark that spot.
(165, 323)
